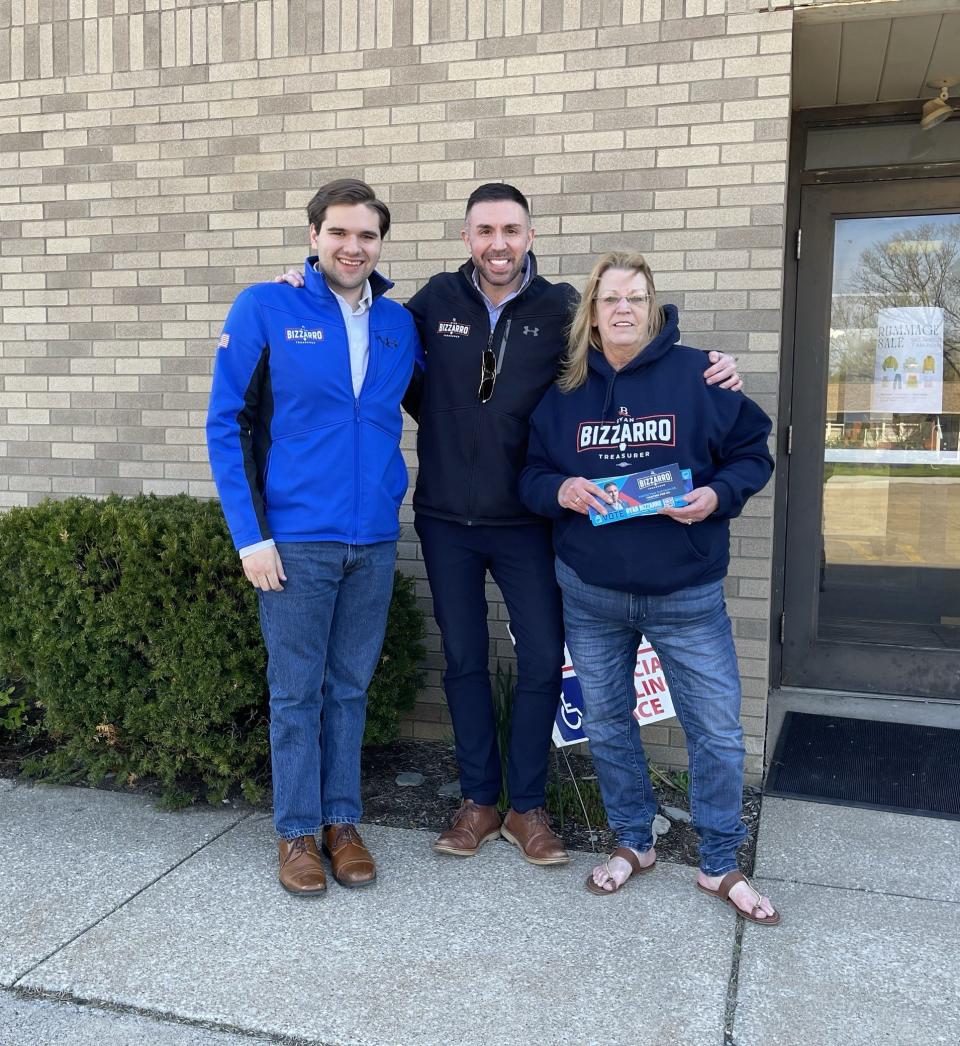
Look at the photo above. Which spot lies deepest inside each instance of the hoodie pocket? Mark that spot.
(700, 554)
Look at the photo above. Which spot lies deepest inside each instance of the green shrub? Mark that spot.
(132, 626)
(14, 708)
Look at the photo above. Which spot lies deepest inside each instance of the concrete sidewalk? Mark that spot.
(121, 924)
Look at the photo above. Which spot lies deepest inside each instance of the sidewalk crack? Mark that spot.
(856, 889)
(733, 986)
(158, 1016)
(122, 904)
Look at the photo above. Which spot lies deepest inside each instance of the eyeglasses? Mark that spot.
(488, 375)
(611, 301)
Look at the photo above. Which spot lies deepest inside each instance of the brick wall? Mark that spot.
(157, 156)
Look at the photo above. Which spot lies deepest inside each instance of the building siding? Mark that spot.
(156, 157)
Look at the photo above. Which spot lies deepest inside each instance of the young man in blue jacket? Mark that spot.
(304, 433)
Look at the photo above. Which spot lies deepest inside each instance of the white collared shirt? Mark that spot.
(494, 310)
(357, 322)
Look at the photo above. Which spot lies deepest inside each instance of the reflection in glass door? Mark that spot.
(872, 580)
(891, 494)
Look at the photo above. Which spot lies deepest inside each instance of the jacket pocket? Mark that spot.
(296, 501)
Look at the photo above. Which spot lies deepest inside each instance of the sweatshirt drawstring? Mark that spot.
(609, 396)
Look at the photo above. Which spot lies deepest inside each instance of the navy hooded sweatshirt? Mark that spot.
(655, 411)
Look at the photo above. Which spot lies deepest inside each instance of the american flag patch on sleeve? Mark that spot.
(224, 341)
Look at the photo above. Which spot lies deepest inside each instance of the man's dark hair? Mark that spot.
(349, 191)
(497, 191)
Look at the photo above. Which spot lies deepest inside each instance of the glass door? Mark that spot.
(872, 583)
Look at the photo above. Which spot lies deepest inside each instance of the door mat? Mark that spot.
(899, 767)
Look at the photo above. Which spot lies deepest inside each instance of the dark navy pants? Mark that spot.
(520, 561)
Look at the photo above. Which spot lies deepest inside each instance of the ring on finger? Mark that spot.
(577, 500)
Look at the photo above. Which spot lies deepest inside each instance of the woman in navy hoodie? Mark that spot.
(630, 398)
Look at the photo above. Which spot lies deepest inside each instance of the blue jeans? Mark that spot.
(323, 633)
(691, 634)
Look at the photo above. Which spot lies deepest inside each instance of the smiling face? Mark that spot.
(348, 245)
(620, 314)
(498, 235)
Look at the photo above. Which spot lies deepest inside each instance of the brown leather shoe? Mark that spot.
(472, 825)
(301, 869)
(350, 860)
(532, 833)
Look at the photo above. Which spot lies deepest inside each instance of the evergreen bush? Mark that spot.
(133, 628)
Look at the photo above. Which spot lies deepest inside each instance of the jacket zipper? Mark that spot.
(476, 439)
(356, 425)
(490, 340)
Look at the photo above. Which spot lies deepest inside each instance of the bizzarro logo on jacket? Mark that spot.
(453, 328)
(303, 336)
(625, 432)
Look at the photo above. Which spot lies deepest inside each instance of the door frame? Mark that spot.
(802, 122)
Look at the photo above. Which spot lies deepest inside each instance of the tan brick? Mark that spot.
(772, 43)
(720, 175)
(722, 132)
(690, 72)
(633, 76)
(761, 109)
(595, 140)
(591, 223)
(525, 65)
(547, 103)
(770, 65)
(752, 195)
(549, 83)
(476, 70)
(551, 124)
(503, 87)
(688, 156)
(755, 152)
(769, 86)
(538, 145)
(724, 47)
(562, 163)
(453, 52)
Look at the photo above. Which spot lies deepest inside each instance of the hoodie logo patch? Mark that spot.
(303, 336)
(535, 331)
(626, 433)
(453, 329)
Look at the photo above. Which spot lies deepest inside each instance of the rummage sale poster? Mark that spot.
(908, 374)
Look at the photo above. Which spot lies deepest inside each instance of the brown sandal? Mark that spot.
(722, 893)
(637, 869)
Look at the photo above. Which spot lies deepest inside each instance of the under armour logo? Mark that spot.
(531, 330)
(387, 343)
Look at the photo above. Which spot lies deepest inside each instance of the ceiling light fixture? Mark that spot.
(936, 110)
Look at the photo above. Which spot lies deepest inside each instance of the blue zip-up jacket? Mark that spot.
(295, 455)
(655, 411)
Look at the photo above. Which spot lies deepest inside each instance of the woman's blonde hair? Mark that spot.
(583, 336)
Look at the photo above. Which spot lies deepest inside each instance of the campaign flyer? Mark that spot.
(643, 493)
